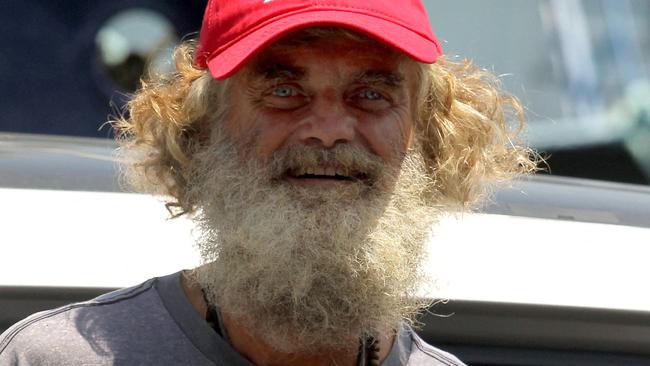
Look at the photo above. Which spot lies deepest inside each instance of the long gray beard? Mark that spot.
(309, 268)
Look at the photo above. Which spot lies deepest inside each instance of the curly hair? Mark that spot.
(468, 129)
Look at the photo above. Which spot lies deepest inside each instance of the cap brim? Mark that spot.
(417, 46)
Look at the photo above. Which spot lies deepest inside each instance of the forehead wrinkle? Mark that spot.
(277, 66)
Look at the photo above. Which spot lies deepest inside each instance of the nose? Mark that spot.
(330, 123)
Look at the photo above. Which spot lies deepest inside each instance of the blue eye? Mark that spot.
(370, 95)
(284, 92)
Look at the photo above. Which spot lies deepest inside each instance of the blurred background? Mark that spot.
(581, 68)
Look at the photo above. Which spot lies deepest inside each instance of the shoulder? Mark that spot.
(423, 353)
(74, 331)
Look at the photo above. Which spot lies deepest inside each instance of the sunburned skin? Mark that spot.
(325, 94)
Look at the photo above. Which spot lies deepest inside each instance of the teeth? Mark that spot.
(322, 171)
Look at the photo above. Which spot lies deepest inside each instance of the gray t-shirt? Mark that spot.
(150, 324)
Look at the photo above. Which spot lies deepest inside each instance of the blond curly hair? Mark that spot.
(468, 129)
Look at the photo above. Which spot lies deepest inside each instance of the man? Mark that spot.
(314, 143)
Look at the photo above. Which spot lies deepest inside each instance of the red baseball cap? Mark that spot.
(234, 30)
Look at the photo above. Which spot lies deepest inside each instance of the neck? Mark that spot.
(261, 354)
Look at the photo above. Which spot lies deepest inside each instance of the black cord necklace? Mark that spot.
(368, 352)
(368, 346)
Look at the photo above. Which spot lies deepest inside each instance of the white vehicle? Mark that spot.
(552, 263)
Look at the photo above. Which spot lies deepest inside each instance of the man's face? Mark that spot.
(311, 197)
(324, 94)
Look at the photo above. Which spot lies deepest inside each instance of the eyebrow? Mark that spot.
(279, 71)
(373, 77)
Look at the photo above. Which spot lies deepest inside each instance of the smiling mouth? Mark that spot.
(326, 174)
